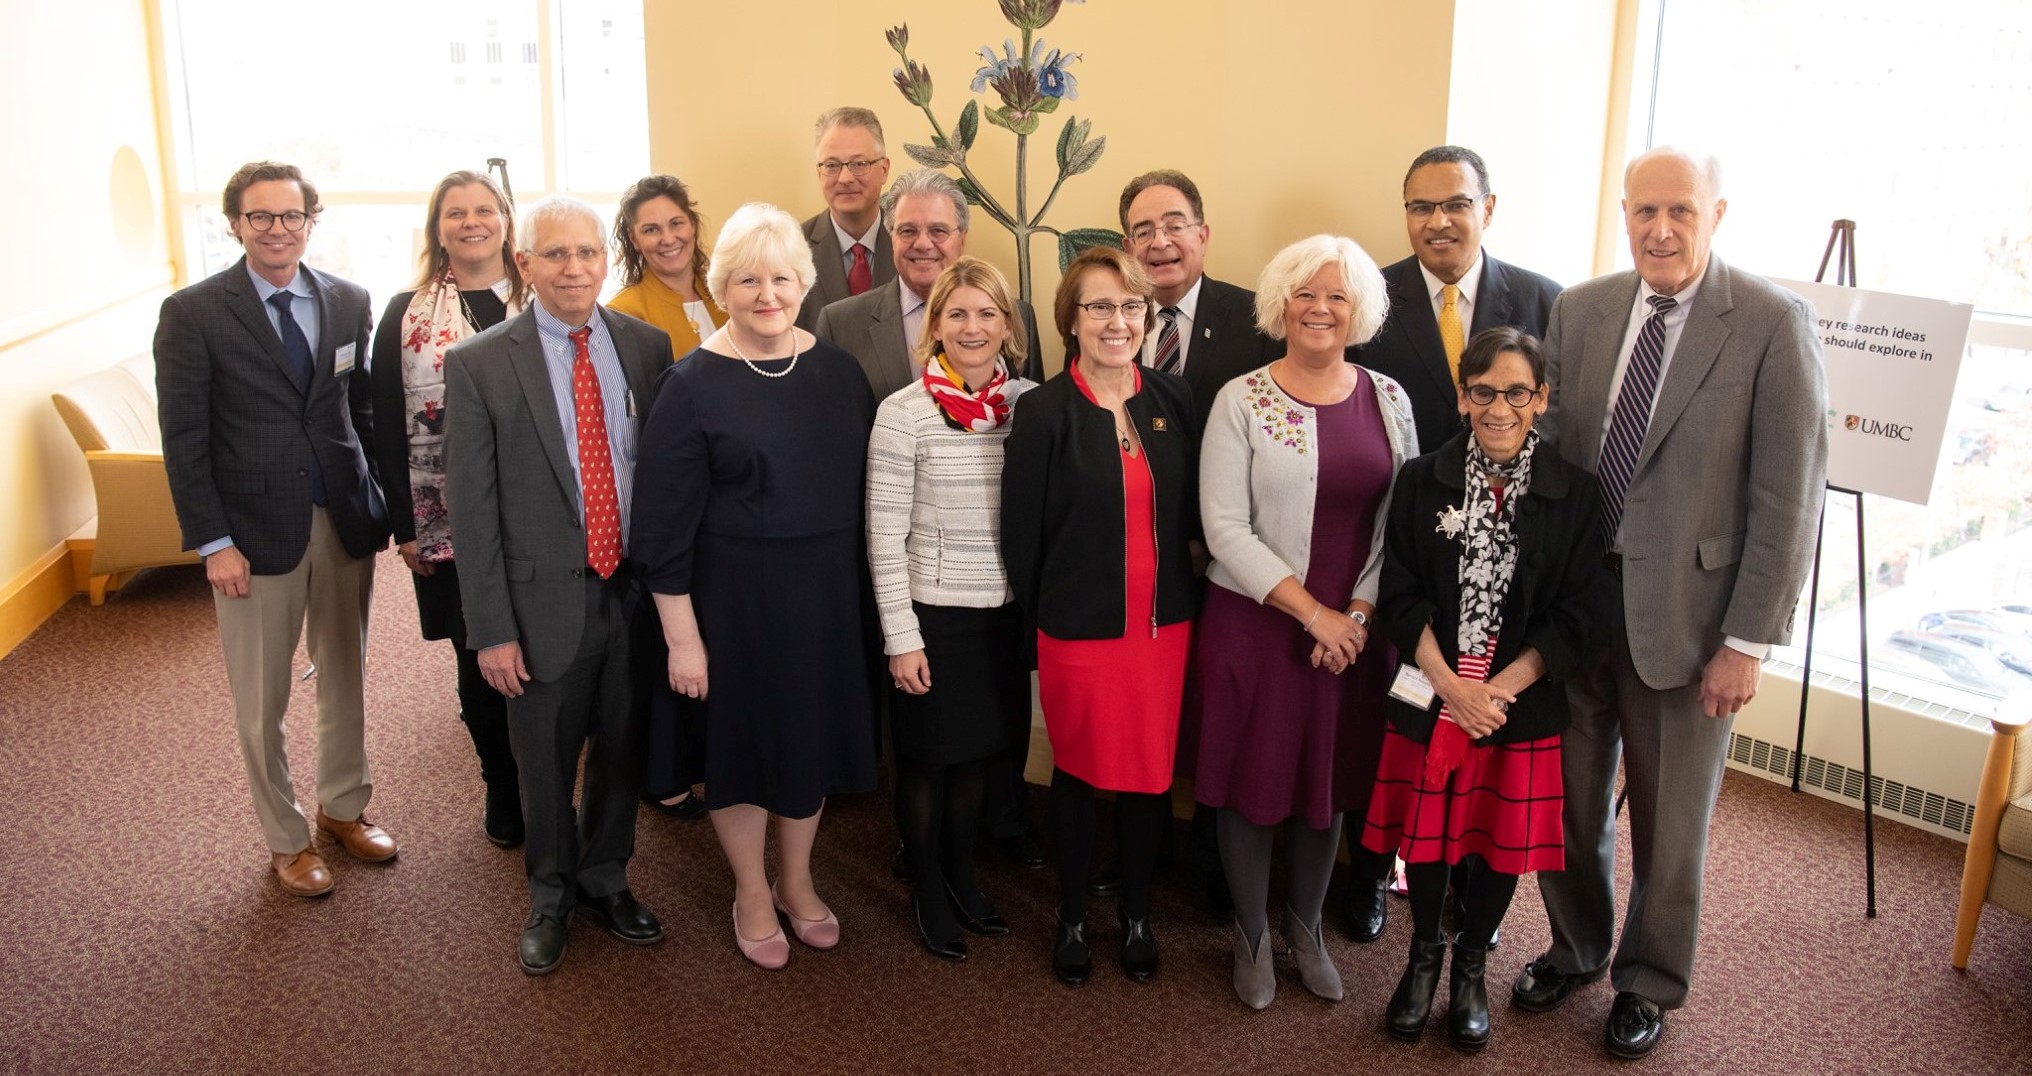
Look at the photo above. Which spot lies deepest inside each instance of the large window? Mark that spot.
(1909, 120)
(378, 99)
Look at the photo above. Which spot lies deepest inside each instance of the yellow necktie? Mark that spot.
(1450, 328)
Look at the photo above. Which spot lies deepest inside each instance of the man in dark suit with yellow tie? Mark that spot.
(267, 430)
(849, 246)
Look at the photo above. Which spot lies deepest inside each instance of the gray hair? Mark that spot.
(760, 235)
(849, 116)
(925, 181)
(1294, 265)
(1706, 165)
(556, 209)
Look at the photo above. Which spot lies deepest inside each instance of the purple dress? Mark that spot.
(1278, 738)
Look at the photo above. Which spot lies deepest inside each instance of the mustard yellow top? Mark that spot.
(653, 301)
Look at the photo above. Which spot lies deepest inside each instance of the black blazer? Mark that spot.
(1226, 343)
(1062, 508)
(1408, 347)
(1558, 594)
(237, 436)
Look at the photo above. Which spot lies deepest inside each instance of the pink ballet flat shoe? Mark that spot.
(816, 933)
(770, 953)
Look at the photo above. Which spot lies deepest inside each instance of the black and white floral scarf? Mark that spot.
(1489, 547)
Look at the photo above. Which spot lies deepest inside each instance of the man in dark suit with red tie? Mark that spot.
(267, 428)
(849, 246)
(541, 417)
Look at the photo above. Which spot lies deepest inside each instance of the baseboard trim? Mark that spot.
(34, 596)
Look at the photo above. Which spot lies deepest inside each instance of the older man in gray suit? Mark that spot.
(849, 246)
(543, 414)
(1695, 392)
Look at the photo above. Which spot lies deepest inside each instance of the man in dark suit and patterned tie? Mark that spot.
(1449, 289)
(1695, 392)
(543, 412)
(849, 246)
(267, 427)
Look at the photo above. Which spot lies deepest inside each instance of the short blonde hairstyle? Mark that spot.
(1065, 307)
(1297, 263)
(973, 273)
(760, 235)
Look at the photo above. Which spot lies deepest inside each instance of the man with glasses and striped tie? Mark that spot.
(1695, 392)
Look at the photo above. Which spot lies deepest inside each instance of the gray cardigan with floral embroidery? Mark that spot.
(1258, 468)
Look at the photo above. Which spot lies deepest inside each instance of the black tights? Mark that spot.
(1486, 900)
(938, 810)
(1140, 821)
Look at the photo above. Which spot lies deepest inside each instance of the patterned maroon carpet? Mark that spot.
(142, 932)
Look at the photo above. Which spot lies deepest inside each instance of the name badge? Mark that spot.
(342, 362)
(1412, 687)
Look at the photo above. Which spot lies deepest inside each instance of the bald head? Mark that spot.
(1672, 205)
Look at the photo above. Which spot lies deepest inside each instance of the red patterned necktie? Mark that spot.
(862, 276)
(596, 462)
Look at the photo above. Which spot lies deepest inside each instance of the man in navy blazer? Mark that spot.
(267, 427)
(1447, 205)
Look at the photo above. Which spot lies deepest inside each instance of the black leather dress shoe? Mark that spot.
(1219, 902)
(1139, 950)
(1107, 880)
(543, 943)
(1022, 849)
(1541, 987)
(1365, 907)
(1635, 1026)
(1071, 960)
(504, 815)
(625, 919)
(946, 946)
(975, 914)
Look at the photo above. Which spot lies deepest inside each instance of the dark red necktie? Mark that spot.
(596, 462)
(862, 276)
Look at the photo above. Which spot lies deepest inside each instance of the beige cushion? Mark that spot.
(2014, 836)
(113, 410)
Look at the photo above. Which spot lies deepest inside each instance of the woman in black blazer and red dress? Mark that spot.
(1492, 576)
(1099, 508)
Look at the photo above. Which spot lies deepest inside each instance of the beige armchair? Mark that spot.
(112, 416)
(1998, 869)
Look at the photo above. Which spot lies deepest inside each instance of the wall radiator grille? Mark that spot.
(1891, 797)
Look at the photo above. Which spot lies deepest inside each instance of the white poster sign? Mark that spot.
(1891, 365)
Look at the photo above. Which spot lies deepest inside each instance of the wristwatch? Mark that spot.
(1359, 617)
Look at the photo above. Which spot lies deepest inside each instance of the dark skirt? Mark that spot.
(788, 710)
(980, 685)
(1503, 804)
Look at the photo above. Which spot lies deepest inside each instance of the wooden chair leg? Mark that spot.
(98, 588)
(1980, 862)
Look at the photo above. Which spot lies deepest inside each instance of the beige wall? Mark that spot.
(1294, 117)
(81, 207)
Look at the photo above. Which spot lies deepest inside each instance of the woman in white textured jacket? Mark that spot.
(949, 623)
(1295, 469)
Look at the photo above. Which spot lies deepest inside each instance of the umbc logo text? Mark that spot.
(1878, 427)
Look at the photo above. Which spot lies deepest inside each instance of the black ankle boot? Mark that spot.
(1411, 1005)
(1139, 949)
(1071, 960)
(1467, 1007)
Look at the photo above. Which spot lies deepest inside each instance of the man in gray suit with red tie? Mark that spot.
(542, 415)
(849, 246)
(267, 425)
(1695, 392)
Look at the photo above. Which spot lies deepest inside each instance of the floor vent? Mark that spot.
(1890, 796)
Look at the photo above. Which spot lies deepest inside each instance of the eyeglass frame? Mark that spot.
(253, 219)
(1508, 395)
(561, 255)
(831, 169)
(1174, 229)
(1111, 308)
(1452, 207)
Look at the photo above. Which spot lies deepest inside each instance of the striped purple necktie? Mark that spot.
(1166, 358)
(1625, 439)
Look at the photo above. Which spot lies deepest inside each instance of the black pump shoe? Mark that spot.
(987, 924)
(953, 948)
(1411, 1005)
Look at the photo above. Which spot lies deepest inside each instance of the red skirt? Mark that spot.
(1503, 803)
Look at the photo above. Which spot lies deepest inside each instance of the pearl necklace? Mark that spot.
(785, 372)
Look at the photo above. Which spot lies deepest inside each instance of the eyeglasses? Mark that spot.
(1452, 207)
(561, 255)
(832, 169)
(908, 233)
(292, 221)
(1133, 310)
(1516, 396)
(1174, 228)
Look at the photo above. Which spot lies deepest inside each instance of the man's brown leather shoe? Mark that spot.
(365, 840)
(303, 874)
